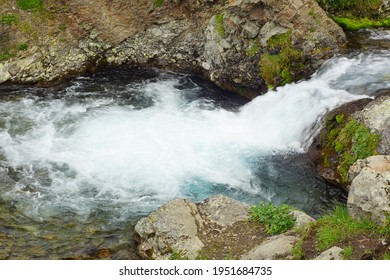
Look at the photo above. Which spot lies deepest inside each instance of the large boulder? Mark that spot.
(369, 195)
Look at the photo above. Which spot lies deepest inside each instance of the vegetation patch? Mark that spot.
(253, 49)
(158, 3)
(276, 219)
(219, 25)
(353, 15)
(9, 19)
(347, 141)
(30, 4)
(354, 24)
(278, 64)
(351, 7)
(360, 239)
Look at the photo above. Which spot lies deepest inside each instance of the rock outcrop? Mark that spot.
(215, 228)
(233, 44)
(369, 195)
(353, 131)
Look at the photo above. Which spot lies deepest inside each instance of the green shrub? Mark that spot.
(9, 19)
(275, 219)
(30, 4)
(22, 47)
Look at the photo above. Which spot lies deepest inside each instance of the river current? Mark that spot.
(82, 162)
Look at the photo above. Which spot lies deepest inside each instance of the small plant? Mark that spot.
(178, 255)
(9, 19)
(253, 49)
(30, 4)
(62, 27)
(347, 252)
(386, 256)
(340, 118)
(276, 219)
(22, 47)
(158, 3)
(4, 56)
(219, 25)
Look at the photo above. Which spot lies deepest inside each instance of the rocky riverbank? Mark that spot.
(245, 46)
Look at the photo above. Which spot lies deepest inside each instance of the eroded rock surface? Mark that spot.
(224, 42)
(369, 195)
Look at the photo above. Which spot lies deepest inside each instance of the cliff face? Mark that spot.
(242, 45)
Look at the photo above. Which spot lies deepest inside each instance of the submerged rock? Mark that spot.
(369, 195)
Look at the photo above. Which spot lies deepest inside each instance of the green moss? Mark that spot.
(158, 3)
(353, 24)
(348, 140)
(340, 118)
(277, 64)
(30, 4)
(219, 25)
(253, 49)
(9, 19)
(358, 143)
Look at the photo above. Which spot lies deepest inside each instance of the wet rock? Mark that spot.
(334, 253)
(369, 195)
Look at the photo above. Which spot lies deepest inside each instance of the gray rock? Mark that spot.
(223, 210)
(301, 218)
(369, 194)
(4, 74)
(334, 253)
(274, 247)
(172, 228)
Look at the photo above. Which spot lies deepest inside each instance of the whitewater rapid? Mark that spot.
(130, 147)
